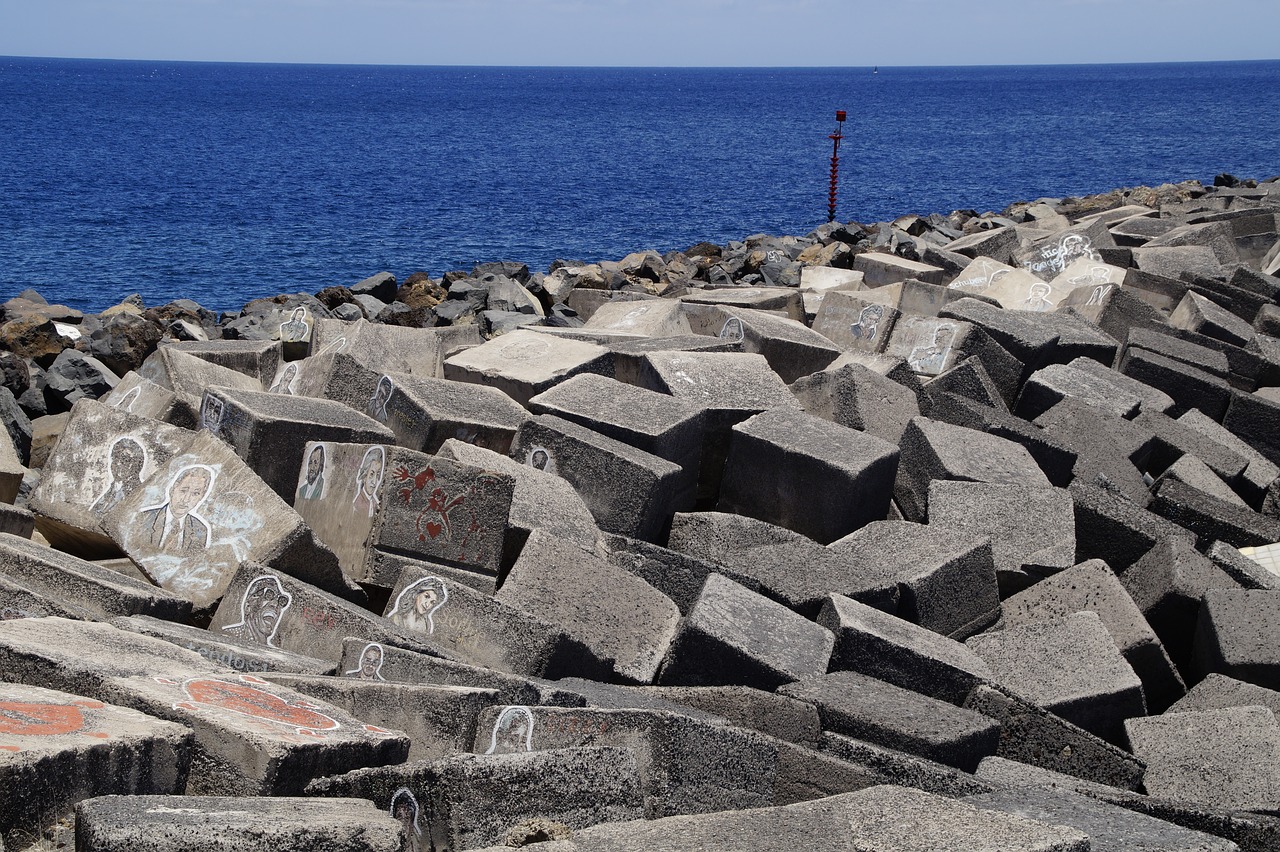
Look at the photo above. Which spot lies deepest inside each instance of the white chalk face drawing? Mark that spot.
(126, 402)
(1054, 258)
(513, 732)
(868, 324)
(126, 459)
(286, 380)
(262, 609)
(732, 330)
(338, 344)
(930, 359)
(311, 477)
(540, 458)
(370, 665)
(404, 807)
(369, 480)
(377, 405)
(417, 603)
(1099, 293)
(295, 329)
(176, 525)
(1038, 298)
(211, 413)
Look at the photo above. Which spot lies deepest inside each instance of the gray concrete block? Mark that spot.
(790, 347)
(1253, 418)
(735, 636)
(1213, 519)
(1236, 635)
(191, 823)
(1198, 314)
(392, 348)
(187, 377)
(747, 707)
(807, 474)
(859, 320)
(1069, 666)
(47, 740)
(679, 576)
(1220, 692)
(241, 655)
(1109, 449)
(1243, 569)
(257, 359)
(1222, 758)
(1049, 385)
(1116, 530)
(523, 363)
(1054, 458)
(887, 715)
(1190, 387)
(880, 268)
(19, 601)
(1032, 528)
(858, 397)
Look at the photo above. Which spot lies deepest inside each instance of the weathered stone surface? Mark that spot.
(258, 359)
(853, 395)
(48, 739)
(223, 649)
(1110, 450)
(523, 364)
(857, 320)
(1116, 530)
(735, 636)
(807, 474)
(187, 377)
(1236, 635)
(1046, 387)
(650, 317)
(790, 347)
(879, 268)
(1220, 692)
(391, 348)
(189, 823)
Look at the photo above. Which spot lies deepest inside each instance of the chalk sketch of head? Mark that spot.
(311, 477)
(177, 523)
(295, 328)
(417, 603)
(929, 359)
(369, 666)
(368, 479)
(1038, 297)
(377, 405)
(287, 381)
(262, 609)
(1099, 293)
(732, 330)
(868, 323)
(540, 458)
(338, 344)
(211, 411)
(126, 402)
(125, 460)
(404, 807)
(513, 732)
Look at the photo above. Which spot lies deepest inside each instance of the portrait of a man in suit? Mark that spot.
(175, 526)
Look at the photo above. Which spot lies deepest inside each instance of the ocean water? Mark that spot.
(226, 182)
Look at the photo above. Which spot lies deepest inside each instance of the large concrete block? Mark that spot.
(785, 300)
(1049, 385)
(858, 320)
(807, 474)
(145, 398)
(49, 738)
(1253, 418)
(1219, 692)
(192, 823)
(103, 456)
(251, 738)
(1189, 386)
(880, 268)
(853, 395)
(616, 615)
(258, 359)
(1032, 528)
(1070, 666)
(650, 317)
(1237, 634)
(629, 491)
(365, 500)
(1117, 530)
(233, 652)
(197, 517)
(790, 347)
(392, 348)
(677, 575)
(1109, 449)
(187, 377)
(735, 636)
(523, 364)
(1048, 257)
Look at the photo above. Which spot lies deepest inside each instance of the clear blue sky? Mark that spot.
(646, 32)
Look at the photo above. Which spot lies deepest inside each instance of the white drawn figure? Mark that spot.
(125, 461)
(868, 324)
(295, 329)
(732, 330)
(176, 526)
(1099, 293)
(404, 807)
(513, 732)
(370, 665)
(311, 477)
(286, 381)
(126, 402)
(377, 405)
(540, 458)
(262, 609)
(417, 603)
(338, 344)
(368, 480)
(929, 359)
(211, 412)
(1038, 297)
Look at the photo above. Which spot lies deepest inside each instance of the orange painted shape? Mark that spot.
(39, 720)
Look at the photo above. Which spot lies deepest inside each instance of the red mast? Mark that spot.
(835, 164)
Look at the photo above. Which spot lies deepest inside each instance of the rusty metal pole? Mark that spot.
(835, 164)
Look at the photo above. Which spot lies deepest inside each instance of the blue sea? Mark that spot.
(227, 182)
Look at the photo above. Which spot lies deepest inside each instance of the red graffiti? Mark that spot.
(438, 516)
(245, 698)
(20, 718)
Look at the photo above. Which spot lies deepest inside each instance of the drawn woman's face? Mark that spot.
(425, 600)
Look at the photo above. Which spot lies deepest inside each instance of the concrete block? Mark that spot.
(523, 364)
(785, 300)
(856, 320)
(997, 244)
(1220, 692)
(1189, 387)
(677, 575)
(1034, 338)
(629, 491)
(1117, 530)
(1069, 666)
(631, 623)
(1048, 257)
(1170, 344)
(1032, 528)
(1198, 314)
(735, 636)
(251, 738)
(197, 517)
(257, 359)
(49, 738)
(1222, 758)
(807, 474)
(933, 450)
(232, 652)
(471, 800)
(1246, 570)
(1236, 636)
(1253, 418)
(1093, 586)
(946, 578)
(650, 317)
(1211, 518)
(98, 592)
(1109, 449)
(185, 376)
(880, 268)
(191, 823)
(858, 397)
(145, 398)
(1054, 458)
(1176, 439)
(790, 347)
(1049, 385)
(1174, 261)
(392, 348)
(19, 601)
(103, 456)
(630, 365)
(746, 707)
(887, 715)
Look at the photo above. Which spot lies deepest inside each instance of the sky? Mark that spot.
(646, 32)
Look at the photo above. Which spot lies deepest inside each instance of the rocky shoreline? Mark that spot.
(949, 532)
